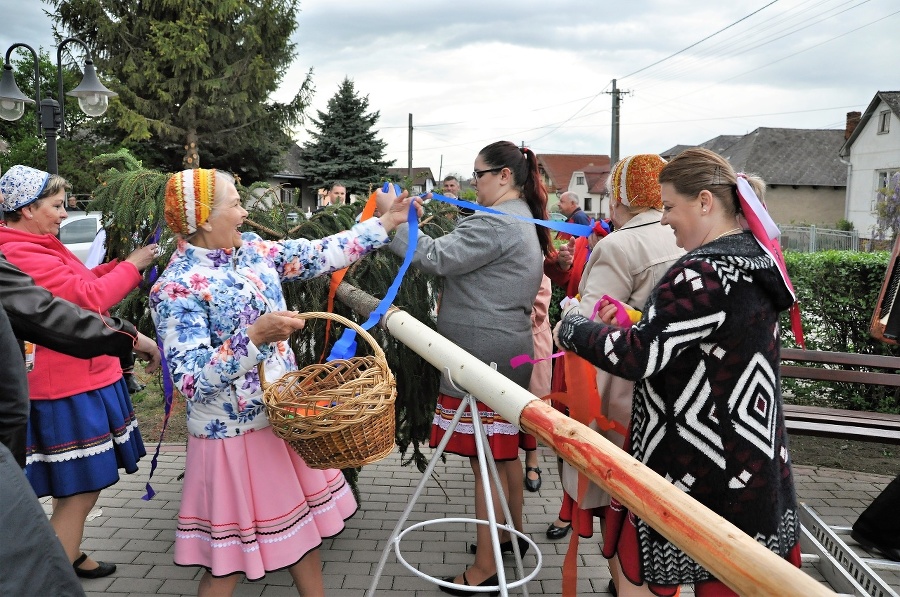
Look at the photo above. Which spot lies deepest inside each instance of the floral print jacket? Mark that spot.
(206, 299)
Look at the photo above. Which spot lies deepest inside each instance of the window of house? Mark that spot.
(579, 180)
(883, 177)
(588, 203)
(884, 122)
(287, 195)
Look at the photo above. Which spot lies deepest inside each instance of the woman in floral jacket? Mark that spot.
(250, 504)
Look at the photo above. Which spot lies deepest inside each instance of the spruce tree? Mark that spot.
(345, 147)
(194, 77)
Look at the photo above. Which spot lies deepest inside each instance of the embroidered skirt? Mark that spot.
(78, 444)
(622, 540)
(503, 438)
(250, 504)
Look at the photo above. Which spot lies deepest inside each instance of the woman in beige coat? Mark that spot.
(626, 265)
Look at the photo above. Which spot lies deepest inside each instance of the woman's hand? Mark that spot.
(607, 312)
(566, 255)
(274, 327)
(556, 333)
(147, 350)
(143, 257)
(394, 210)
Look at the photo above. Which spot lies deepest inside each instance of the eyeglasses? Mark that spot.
(476, 174)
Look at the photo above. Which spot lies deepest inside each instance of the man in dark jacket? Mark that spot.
(35, 561)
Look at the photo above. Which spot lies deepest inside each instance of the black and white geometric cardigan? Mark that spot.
(707, 412)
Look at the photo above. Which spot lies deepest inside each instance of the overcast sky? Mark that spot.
(539, 72)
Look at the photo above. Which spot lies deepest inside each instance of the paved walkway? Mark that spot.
(138, 536)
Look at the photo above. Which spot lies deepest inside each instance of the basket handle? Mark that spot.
(379, 353)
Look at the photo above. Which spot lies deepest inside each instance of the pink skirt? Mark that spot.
(250, 504)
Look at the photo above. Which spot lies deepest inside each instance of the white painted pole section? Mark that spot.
(506, 398)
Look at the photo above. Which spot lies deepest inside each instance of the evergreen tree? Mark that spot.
(194, 77)
(345, 148)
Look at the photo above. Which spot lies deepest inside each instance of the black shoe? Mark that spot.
(506, 546)
(554, 532)
(532, 485)
(102, 569)
(463, 592)
(871, 544)
(134, 386)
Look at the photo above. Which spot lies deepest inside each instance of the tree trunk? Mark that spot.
(191, 154)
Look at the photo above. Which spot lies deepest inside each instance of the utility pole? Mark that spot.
(409, 165)
(614, 135)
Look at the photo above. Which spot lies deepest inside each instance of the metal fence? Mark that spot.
(809, 239)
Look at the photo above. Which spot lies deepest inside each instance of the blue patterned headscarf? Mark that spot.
(21, 185)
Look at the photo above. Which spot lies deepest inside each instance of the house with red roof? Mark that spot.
(558, 173)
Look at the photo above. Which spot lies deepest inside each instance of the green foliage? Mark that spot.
(469, 195)
(838, 291)
(845, 225)
(195, 77)
(345, 147)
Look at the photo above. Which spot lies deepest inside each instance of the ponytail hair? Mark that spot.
(522, 163)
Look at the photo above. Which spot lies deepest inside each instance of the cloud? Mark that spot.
(471, 72)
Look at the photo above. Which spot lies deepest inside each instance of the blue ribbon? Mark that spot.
(567, 227)
(345, 347)
(168, 393)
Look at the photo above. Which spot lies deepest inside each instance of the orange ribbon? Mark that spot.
(338, 276)
(584, 403)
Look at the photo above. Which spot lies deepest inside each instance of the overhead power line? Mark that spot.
(682, 50)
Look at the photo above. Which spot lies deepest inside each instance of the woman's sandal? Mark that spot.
(492, 581)
(102, 569)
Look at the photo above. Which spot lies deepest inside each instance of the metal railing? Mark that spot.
(809, 239)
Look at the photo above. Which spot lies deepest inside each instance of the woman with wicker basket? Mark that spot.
(250, 504)
(492, 267)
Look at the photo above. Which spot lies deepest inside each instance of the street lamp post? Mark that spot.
(93, 97)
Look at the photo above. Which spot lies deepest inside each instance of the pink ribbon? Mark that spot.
(766, 233)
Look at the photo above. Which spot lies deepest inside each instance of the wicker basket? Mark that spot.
(338, 414)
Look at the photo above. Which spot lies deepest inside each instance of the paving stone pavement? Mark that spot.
(139, 535)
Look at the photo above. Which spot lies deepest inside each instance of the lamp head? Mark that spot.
(93, 96)
(12, 101)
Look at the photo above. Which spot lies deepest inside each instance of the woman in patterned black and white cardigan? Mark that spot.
(707, 411)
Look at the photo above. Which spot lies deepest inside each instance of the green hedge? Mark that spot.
(837, 292)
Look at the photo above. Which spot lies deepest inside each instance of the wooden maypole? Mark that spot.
(728, 553)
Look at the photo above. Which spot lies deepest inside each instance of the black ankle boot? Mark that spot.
(878, 527)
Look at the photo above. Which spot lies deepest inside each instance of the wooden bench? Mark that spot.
(839, 423)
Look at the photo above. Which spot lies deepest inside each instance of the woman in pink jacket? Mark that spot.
(82, 428)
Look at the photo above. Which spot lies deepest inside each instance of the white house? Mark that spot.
(872, 155)
(589, 183)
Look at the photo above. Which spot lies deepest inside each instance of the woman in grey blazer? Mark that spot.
(492, 266)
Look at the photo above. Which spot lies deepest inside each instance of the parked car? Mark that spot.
(77, 232)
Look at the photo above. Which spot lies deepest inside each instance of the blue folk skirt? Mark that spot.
(78, 444)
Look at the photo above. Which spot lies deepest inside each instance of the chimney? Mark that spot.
(852, 123)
